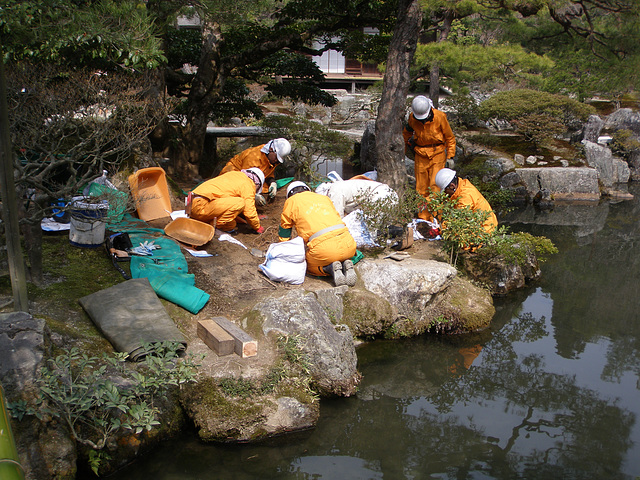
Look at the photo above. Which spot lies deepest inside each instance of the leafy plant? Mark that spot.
(513, 248)
(461, 228)
(98, 397)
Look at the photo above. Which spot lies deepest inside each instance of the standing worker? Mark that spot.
(329, 244)
(266, 157)
(431, 139)
(466, 195)
(225, 197)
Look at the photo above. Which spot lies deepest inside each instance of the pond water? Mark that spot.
(550, 390)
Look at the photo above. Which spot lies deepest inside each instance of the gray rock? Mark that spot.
(368, 154)
(623, 119)
(290, 415)
(498, 166)
(610, 170)
(531, 160)
(331, 352)
(409, 285)
(579, 183)
(593, 127)
(519, 159)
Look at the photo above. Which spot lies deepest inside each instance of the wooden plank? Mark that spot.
(216, 337)
(245, 345)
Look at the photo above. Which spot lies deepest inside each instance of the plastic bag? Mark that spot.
(285, 262)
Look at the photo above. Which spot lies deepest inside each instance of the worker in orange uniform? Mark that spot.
(266, 157)
(431, 139)
(225, 197)
(466, 195)
(328, 242)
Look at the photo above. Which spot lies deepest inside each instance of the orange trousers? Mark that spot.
(337, 245)
(226, 209)
(425, 170)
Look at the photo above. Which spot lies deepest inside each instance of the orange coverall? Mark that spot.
(311, 212)
(251, 157)
(468, 195)
(434, 145)
(225, 197)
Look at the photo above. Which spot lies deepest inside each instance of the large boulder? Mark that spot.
(329, 347)
(408, 285)
(611, 170)
(623, 119)
(580, 183)
(593, 127)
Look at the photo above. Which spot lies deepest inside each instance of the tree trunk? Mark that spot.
(434, 84)
(389, 141)
(205, 91)
(434, 74)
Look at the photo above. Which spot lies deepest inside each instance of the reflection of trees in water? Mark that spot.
(594, 290)
(582, 433)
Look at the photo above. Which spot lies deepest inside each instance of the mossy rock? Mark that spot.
(367, 314)
(462, 307)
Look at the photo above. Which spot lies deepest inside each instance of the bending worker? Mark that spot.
(346, 194)
(266, 157)
(430, 137)
(328, 242)
(466, 194)
(225, 197)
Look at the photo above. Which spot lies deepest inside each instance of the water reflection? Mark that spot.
(550, 390)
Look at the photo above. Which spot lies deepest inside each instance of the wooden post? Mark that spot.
(10, 205)
(245, 346)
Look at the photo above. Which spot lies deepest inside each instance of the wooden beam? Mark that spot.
(245, 345)
(216, 338)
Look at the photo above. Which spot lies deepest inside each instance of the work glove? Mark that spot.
(260, 200)
(273, 189)
(412, 144)
(260, 230)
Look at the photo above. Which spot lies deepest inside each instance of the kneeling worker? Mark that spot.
(465, 194)
(266, 157)
(226, 196)
(329, 244)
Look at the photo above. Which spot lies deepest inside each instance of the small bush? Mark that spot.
(538, 115)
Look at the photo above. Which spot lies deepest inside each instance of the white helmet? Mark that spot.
(282, 147)
(444, 177)
(421, 107)
(259, 173)
(296, 184)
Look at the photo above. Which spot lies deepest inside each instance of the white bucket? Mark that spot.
(86, 226)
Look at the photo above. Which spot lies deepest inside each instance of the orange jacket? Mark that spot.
(251, 157)
(309, 212)
(468, 195)
(431, 137)
(233, 184)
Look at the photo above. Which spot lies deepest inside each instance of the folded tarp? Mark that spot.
(130, 315)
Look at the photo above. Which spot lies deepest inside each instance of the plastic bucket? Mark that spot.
(86, 227)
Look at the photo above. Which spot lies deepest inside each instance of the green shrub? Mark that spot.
(81, 392)
(461, 228)
(513, 248)
(538, 115)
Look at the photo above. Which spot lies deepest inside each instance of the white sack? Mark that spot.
(285, 262)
